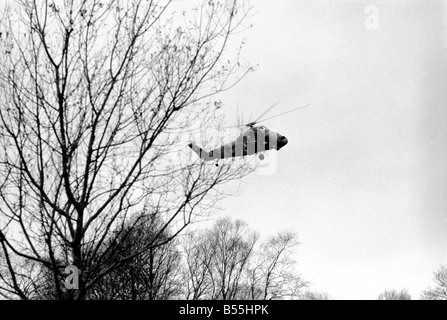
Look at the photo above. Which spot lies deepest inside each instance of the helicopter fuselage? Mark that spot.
(251, 141)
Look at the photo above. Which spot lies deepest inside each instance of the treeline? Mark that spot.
(436, 292)
(227, 261)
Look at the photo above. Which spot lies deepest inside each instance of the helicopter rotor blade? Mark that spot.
(259, 118)
(252, 123)
(283, 113)
(264, 113)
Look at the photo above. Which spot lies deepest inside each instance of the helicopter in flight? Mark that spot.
(254, 140)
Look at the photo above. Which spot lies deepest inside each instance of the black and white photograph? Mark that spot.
(232, 152)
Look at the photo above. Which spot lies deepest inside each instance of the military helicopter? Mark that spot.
(254, 140)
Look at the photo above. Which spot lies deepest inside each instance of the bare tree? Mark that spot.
(217, 258)
(152, 275)
(394, 294)
(314, 295)
(273, 274)
(225, 262)
(439, 291)
(197, 259)
(231, 245)
(94, 97)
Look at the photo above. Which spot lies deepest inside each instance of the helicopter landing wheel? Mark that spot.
(261, 157)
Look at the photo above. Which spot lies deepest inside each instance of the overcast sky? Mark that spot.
(363, 178)
(364, 175)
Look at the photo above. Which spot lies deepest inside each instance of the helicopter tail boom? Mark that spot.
(205, 155)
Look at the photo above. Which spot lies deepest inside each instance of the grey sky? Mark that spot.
(363, 176)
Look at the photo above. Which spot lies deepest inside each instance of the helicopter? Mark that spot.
(254, 140)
